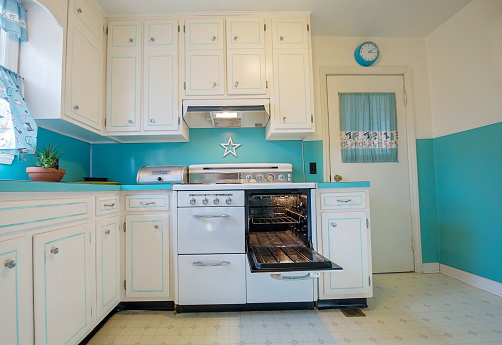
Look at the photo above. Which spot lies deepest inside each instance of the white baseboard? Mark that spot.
(472, 279)
(431, 267)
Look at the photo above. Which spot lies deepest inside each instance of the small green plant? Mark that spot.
(48, 157)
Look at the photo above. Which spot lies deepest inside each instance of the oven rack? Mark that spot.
(273, 218)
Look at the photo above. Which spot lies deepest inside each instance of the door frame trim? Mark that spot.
(405, 72)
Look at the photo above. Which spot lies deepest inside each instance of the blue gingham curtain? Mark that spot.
(368, 127)
(18, 130)
(13, 18)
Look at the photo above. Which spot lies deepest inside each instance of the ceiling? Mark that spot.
(356, 18)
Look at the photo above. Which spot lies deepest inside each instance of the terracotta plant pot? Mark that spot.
(45, 174)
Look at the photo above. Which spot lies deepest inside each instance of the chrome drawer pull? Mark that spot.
(344, 200)
(210, 264)
(144, 203)
(305, 277)
(109, 205)
(211, 216)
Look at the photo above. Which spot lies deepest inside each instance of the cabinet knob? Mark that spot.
(337, 178)
(54, 250)
(333, 225)
(284, 119)
(131, 40)
(107, 232)
(79, 10)
(156, 227)
(152, 39)
(131, 121)
(236, 84)
(235, 38)
(10, 264)
(281, 38)
(214, 84)
(76, 107)
(152, 121)
(213, 38)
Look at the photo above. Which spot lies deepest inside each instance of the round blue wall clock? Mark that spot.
(367, 53)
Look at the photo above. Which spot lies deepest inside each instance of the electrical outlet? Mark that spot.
(313, 168)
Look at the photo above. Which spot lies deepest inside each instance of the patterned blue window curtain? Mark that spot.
(13, 18)
(18, 130)
(368, 127)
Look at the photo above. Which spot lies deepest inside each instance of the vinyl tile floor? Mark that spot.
(407, 308)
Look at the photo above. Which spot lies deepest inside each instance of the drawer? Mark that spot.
(222, 278)
(108, 204)
(333, 201)
(153, 202)
(89, 16)
(17, 215)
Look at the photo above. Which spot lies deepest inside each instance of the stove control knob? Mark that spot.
(249, 177)
(228, 200)
(280, 177)
(270, 177)
(192, 201)
(259, 177)
(205, 201)
(216, 201)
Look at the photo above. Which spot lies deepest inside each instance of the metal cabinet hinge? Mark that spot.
(105, 122)
(405, 98)
(312, 118)
(124, 227)
(264, 27)
(183, 28)
(308, 27)
(179, 120)
(184, 85)
(369, 280)
(179, 28)
(367, 223)
(107, 30)
(90, 238)
(125, 285)
(266, 84)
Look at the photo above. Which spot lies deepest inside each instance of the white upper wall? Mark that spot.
(330, 51)
(465, 69)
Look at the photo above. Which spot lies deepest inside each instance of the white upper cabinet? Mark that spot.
(124, 35)
(246, 71)
(204, 33)
(88, 16)
(246, 33)
(290, 33)
(160, 35)
(205, 72)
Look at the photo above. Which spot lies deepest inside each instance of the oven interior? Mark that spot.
(279, 232)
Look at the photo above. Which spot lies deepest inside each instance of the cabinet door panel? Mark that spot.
(16, 318)
(292, 89)
(204, 72)
(289, 33)
(107, 264)
(246, 71)
(124, 35)
(345, 241)
(160, 106)
(123, 91)
(61, 263)
(89, 16)
(84, 79)
(204, 33)
(161, 34)
(147, 256)
(245, 33)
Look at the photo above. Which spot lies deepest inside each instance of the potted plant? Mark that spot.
(46, 166)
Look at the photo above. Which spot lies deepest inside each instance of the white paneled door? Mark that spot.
(390, 190)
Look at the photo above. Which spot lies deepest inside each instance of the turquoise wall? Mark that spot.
(428, 200)
(121, 162)
(76, 161)
(469, 198)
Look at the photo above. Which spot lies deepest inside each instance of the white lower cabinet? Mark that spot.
(63, 284)
(212, 279)
(147, 255)
(107, 264)
(16, 316)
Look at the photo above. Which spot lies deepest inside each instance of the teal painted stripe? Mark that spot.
(17, 291)
(362, 184)
(114, 224)
(362, 263)
(45, 219)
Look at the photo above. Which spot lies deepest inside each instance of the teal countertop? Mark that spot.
(30, 186)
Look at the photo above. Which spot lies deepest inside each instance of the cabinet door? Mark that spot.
(206, 33)
(84, 88)
(246, 72)
(107, 264)
(124, 35)
(62, 263)
(289, 33)
(160, 90)
(204, 72)
(147, 256)
(16, 298)
(89, 17)
(123, 104)
(245, 33)
(160, 35)
(345, 241)
(292, 107)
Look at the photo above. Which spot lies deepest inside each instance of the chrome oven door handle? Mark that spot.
(210, 216)
(309, 276)
(210, 263)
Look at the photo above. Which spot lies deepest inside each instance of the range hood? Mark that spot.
(226, 113)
